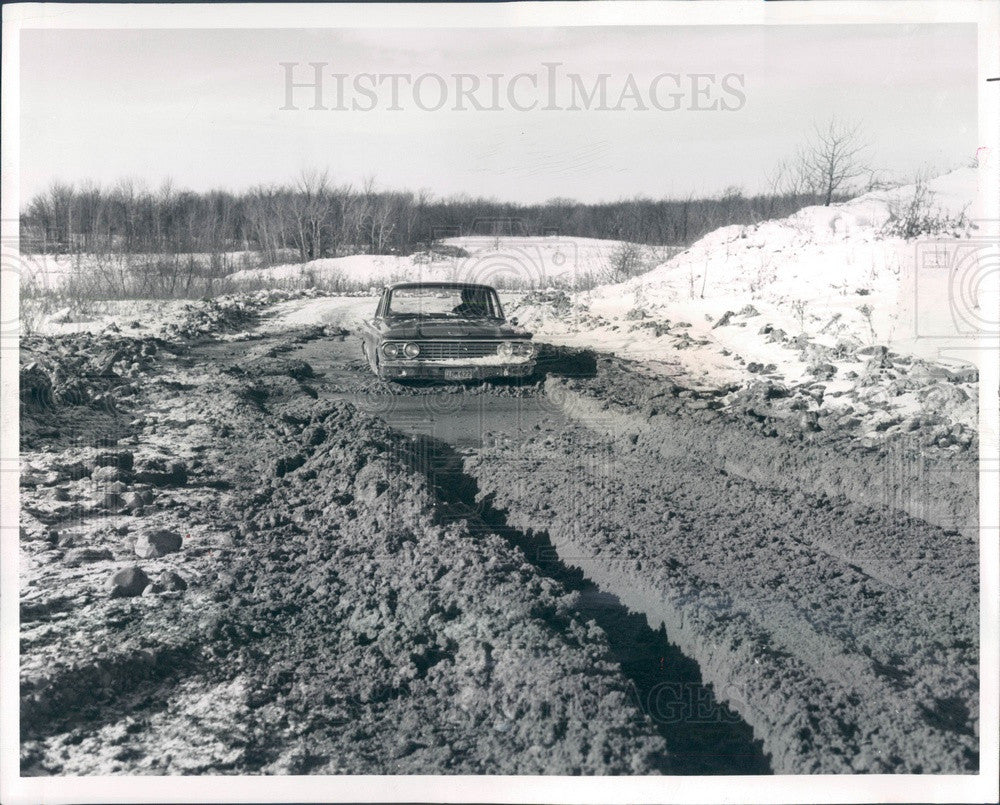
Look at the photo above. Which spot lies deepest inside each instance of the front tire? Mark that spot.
(371, 357)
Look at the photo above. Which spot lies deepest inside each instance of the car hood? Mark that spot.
(451, 328)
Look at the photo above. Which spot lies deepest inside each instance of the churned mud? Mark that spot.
(253, 556)
(843, 629)
(320, 610)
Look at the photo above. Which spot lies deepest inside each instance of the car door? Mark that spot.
(371, 332)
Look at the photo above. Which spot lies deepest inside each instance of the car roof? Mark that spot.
(449, 285)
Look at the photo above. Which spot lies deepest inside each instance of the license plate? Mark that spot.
(459, 374)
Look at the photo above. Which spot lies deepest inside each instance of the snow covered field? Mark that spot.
(50, 272)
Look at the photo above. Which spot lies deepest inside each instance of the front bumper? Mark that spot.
(427, 370)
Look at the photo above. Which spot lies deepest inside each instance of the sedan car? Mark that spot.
(445, 331)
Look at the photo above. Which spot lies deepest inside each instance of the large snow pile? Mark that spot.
(775, 299)
(506, 262)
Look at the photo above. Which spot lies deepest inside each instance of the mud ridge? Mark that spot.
(936, 486)
(703, 736)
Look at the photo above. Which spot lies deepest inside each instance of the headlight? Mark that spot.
(505, 349)
(524, 349)
(411, 350)
(390, 350)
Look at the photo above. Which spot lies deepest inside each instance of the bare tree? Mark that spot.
(625, 262)
(263, 216)
(878, 179)
(832, 158)
(308, 209)
(788, 181)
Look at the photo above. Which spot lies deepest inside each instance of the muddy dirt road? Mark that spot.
(279, 564)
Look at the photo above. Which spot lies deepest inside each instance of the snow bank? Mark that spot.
(824, 271)
(354, 270)
(766, 299)
(804, 269)
(535, 262)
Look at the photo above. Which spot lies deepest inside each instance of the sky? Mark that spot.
(204, 107)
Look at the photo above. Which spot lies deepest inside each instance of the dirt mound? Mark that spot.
(209, 316)
(269, 367)
(79, 382)
(444, 626)
(35, 388)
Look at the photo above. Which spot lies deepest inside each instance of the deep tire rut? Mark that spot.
(703, 736)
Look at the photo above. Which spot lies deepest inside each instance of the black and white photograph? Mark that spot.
(500, 402)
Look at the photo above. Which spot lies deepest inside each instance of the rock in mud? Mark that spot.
(171, 581)
(119, 459)
(161, 472)
(809, 421)
(112, 502)
(106, 474)
(79, 556)
(133, 501)
(127, 583)
(154, 544)
(724, 319)
(822, 371)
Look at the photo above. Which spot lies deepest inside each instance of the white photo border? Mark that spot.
(982, 787)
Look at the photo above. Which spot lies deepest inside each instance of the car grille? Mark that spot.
(444, 350)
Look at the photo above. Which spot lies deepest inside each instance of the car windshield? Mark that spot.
(471, 301)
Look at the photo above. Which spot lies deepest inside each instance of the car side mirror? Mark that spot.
(514, 321)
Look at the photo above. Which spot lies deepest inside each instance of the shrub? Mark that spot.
(916, 215)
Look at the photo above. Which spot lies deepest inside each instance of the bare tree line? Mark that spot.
(314, 216)
(309, 218)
